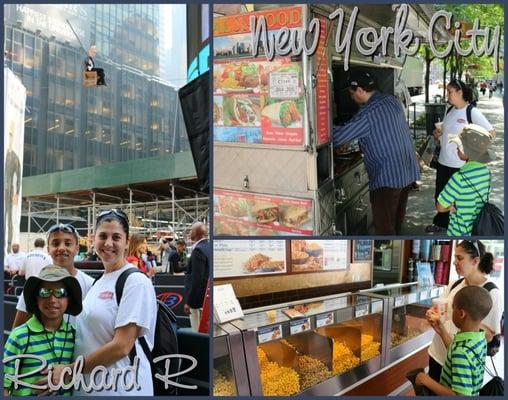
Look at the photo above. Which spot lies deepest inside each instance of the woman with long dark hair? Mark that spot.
(460, 97)
(474, 264)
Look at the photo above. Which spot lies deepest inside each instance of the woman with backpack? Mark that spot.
(474, 265)
(460, 113)
(108, 328)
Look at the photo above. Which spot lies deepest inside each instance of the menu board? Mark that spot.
(318, 255)
(249, 214)
(256, 101)
(362, 250)
(240, 258)
(322, 92)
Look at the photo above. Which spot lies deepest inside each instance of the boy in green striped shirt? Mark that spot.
(464, 366)
(45, 336)
(469, 188)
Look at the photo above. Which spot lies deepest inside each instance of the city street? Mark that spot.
(420, 209)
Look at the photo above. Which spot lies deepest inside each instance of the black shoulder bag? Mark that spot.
(490, 221)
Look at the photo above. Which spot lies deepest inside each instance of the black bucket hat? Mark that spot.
(53, 273)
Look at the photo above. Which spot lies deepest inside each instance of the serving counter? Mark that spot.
(323, 346)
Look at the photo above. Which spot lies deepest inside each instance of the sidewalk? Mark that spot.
(421, 209)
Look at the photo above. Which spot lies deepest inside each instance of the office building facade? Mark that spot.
(68, 126)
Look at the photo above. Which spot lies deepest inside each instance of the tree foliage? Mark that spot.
(488, 15)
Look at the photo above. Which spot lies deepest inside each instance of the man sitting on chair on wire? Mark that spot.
(90, 66)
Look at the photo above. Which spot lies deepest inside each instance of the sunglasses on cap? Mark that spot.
(457, 82)
(474, 243)
(113, 211)
(67, 228)
(45, 293)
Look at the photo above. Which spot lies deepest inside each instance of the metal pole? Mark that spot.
(130, 206)
(93, 206)
(197, 206)
(173, 205)
(414, 121)
(88, 225)
(57, 209)
(29, 216)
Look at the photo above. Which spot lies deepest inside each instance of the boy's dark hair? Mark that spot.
(181, 242)
(475, 301)
(39, 242)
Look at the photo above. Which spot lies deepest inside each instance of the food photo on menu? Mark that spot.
(371, 119)
(372, 320)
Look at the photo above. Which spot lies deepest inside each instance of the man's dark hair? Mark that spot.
(475, 301)
(39, 242)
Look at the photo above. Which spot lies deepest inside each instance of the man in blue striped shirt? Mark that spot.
(389, 154)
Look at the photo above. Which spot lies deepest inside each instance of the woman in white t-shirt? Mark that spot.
(474, 264)
(107, 332)
(460, 96)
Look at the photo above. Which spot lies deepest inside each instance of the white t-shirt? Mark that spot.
(35, 260)
(437, 349)
(85, 281)
(453, 123)
(14, 261)
(101, 316)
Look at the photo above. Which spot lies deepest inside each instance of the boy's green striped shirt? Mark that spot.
(468, 204)
(465, 363)
(32, 338)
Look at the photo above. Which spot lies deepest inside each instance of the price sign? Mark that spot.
(362, 310)
(434, 292)
(424, 295)
(399, 301)
(284, 85)
(377, 307)
(299, 326)
(335, 304)
(324, 320)
(412, 298)
(269, 333)
(225, 305)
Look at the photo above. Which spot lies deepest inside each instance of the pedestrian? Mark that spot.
(500, 84)
(197, 274)
(491, 90)
(457, 116)
(106, 331)
(137, 248)
(165, 250)
(483, 87)
(474, 264)
(35, 260)
(468, 189)
(90, 66)
(14, 260)
(177, 257)
(389, 154)
(464, 366)
(63, 245)
(47, 296)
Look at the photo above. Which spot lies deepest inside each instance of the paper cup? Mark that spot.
(439, 125)
(439, 307)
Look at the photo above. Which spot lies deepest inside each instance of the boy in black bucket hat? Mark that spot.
(45, 335)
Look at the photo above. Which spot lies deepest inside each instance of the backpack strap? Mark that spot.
(474, 188)
(468, 113)
(448, 109)
(489, 286)
(456, 283)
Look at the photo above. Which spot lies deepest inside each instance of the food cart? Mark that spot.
(275, 169)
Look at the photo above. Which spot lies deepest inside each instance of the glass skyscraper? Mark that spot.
(68, 126)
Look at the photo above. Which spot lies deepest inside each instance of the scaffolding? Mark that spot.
(145, 217)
